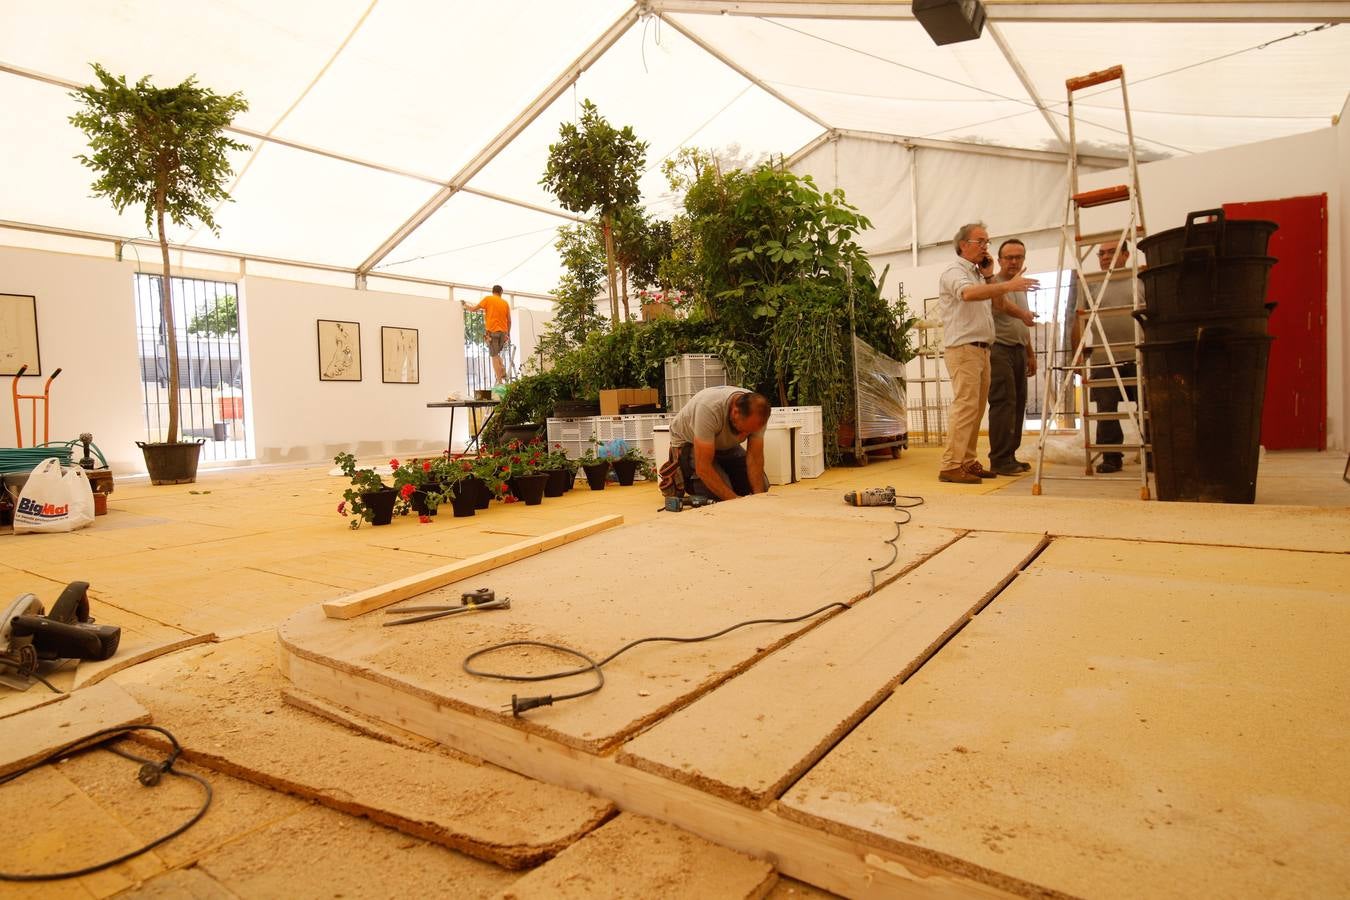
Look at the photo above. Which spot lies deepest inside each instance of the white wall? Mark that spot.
(87, 326)
(1338, 381)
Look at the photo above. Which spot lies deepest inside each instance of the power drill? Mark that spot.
(871, 497)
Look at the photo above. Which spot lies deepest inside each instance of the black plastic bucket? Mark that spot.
(1185, 329)
(1224, 239)
(1202, 286)
(1205, 397)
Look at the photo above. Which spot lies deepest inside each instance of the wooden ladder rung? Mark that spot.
(1100, 237)
(1090, 383)
(1095, 78)
(1102, 196)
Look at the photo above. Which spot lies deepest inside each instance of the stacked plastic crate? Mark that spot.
(810, 437)
(575, 434)
(688, 374)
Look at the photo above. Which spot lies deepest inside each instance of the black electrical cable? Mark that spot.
(22, 671)
(148, 775)
(521, 704)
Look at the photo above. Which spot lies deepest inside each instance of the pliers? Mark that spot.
(474, 601)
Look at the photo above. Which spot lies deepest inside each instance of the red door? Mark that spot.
(1294, 416)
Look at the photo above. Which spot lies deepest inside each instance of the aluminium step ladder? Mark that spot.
(1092, 374)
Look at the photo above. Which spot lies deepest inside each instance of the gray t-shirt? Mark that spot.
(1010, 329)
(1119, 328)
(705, 418)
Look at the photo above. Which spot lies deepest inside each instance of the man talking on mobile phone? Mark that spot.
(964, 294)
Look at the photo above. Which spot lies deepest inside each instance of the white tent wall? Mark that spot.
(87, 327)
(1314, 162)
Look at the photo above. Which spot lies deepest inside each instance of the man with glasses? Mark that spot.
(964, 294)
(1120, 334)
(1012, 361)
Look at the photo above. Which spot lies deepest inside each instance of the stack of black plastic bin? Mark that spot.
(1205, 352)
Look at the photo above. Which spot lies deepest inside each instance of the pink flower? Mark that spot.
(407, 491)
(342, 508)
(393, 464)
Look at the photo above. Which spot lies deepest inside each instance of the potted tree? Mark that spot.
(595, 166)
(163, 149)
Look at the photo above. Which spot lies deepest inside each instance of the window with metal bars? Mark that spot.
(211, 387)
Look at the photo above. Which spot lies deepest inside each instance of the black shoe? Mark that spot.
(1107, 468)
(1011, 469)
(1024, 466)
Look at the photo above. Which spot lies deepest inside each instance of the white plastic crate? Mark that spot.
(687, 375)
(575, 434)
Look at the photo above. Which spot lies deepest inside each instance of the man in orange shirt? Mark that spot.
(497, 324)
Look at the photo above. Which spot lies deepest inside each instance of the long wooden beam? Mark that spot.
(1292, 11)
(353, 605)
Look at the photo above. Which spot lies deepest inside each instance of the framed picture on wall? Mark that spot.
(339, 350)
(18, 334)
(398, 348)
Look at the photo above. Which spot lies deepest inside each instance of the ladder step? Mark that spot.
(1095, 78)
(1118, 416)
(1113, 275)
(1107, 311)
(1104, 236)
(1126, 446)
(1102, 196)
(1089, 383)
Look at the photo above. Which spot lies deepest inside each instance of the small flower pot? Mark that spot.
(381, 504)
(557, 482)
(570, 481)
(419, 500)
(595, 474)
(624, 470)
(484, 495)
(529, 488)
(464, 497)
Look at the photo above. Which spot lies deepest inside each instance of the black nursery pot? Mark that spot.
(529, 488)
(625, 470)
(595, 474)
(464, 497)
(419, 500)
(557, 482)
(381, 504)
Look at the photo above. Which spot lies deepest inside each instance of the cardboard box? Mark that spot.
(611, 401)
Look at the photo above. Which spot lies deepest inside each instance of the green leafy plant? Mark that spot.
(163, 149)
(645, 467)
(363, 481)
(220, 320)
(489, 471)
(595, 167)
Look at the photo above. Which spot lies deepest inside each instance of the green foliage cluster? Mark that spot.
(220, 320)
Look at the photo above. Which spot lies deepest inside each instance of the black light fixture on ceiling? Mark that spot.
(950, 21)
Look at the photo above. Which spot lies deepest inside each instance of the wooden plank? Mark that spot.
(361, 602)
(684, 576)
(349, 718)
(32, 734)
(756, 734)
(846, 866)
(1118, 724)
(91, 673)
(223, 703)
(633, 856)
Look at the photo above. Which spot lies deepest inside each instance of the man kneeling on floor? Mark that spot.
(705, 443)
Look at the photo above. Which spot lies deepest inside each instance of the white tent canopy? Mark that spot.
(406, 138)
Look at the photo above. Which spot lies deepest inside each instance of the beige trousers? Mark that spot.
(968, 368)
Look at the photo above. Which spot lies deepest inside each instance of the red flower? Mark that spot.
(426, 465)
(509, 498)
(407, 491)
(342, 508)
(393, 464)
(506, 470)
(425, 520)
(465, 465)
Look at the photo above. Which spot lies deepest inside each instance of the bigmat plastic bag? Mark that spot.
(54, 499)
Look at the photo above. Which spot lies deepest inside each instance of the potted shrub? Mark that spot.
(632, 462)
(163, 149)
(596, 469)
(368, 499)
(426, 495)
(459, 482)
(487, 469)
(559, 470)
(522, 464)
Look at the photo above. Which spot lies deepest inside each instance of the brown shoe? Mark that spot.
(973, 467)
(958, 475)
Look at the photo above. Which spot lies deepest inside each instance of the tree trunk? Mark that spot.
(625, 294)
(166, 318)
(609, 267)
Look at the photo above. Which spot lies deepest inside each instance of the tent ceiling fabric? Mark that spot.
(423, 87)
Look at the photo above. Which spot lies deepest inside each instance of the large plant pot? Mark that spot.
(575, 409)
(529, 488)
(419, 499)
(595, 474)
(464, 497)
(172, 463)
(381, 505)
(524, 432)
(557, 482)
(624, 470)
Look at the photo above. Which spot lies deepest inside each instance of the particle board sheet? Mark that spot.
(636, 857)
(224, 704)
(685, 575)
(1319, 529)
(1121, 723)
(750, 738)
(29, 735)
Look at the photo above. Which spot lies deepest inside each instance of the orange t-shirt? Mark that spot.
(496, 313)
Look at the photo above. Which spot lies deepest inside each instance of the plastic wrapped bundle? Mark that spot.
(881, 392)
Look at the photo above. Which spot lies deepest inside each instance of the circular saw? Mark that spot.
(30, 636)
